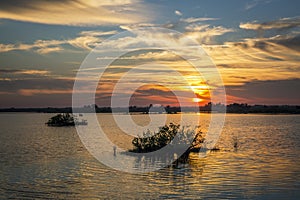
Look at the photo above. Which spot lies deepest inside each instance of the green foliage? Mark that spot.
(166, 136)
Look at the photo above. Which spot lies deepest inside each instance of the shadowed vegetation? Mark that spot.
(191, 138)
(65, 119)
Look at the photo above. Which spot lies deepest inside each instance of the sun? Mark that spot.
(197, 100)
(201, 92)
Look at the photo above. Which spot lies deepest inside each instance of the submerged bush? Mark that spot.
(149, 142)
(64, 119)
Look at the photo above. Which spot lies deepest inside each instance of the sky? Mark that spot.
(253, 45)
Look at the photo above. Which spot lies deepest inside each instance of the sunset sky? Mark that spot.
(255, 45)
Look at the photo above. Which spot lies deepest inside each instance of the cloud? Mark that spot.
(252, 50)
(284, 23)
(153, 55)
(5, 93)
(200, 19)
(40, 46)
(9, 99)
(158, 94)
(24, 71)
(155, 91)
(86, 40)
(153, 95)
(35, 83)
(97, 33)
(89, 39)
(6, 71)
(177, 12)
(254, 3)
(250, 5)
(31, 92)
(133, 27)
(256, 59)
(76, 12)
(49, 50)
(204, 33)
(268, 91)
(291, 41)
(33, 72)
(7, 47)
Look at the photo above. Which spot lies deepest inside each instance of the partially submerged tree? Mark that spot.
(148, 142)
(65, 119)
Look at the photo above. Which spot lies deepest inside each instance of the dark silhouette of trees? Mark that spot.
(165, 136)
(65, 119)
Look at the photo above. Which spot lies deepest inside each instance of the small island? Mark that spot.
(65, 119)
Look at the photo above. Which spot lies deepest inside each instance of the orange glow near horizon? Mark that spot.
(201, 90)
(197, 100)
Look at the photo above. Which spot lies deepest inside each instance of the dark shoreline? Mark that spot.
(209, 108)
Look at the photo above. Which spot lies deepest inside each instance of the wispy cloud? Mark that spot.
(49, 50)
(97, 33)
(197, 19)
(6, 71)
(24, 71)
(204, 33)
(252, 4)
(177, 12)
(284, 23)
(132, 27)
(77, 12)
(159, 55)
(255, 59)
(31, 92)
(87, 40)
(84, 40)
(41, 46)
(33, 72)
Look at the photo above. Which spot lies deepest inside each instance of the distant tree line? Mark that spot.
(210, 107)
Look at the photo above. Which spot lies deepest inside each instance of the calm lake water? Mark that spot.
(37, 161)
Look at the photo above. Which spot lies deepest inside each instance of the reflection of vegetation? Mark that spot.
(65, 119)
(235, 143)
(166, 136)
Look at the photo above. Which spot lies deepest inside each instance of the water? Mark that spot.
(37, 161)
